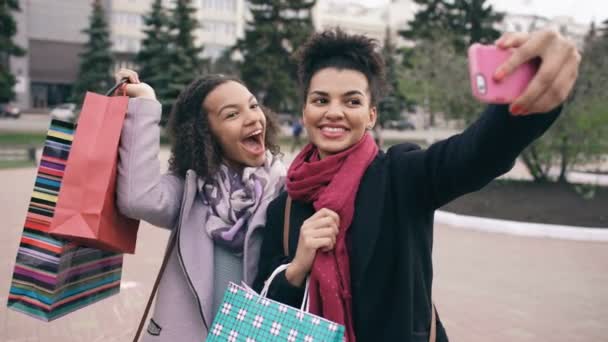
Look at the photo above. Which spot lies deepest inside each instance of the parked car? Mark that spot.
(8, 110)
(64, 112)
(400, 125)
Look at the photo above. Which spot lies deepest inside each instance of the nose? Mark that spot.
(334, 111)
(254, 116)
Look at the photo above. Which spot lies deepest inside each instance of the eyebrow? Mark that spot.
(348, 93)
(232, 105)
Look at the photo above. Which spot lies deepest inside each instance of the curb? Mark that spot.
(540, 230)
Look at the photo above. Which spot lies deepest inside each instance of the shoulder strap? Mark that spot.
(163, 266)
(286, 226)
(433, 332)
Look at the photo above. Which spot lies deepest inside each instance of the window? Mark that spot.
(220, 28)
(213, 51)
(133, 45)
(219, 5)
(127, 19)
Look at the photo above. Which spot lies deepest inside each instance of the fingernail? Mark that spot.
(499, 75)
(516, 109)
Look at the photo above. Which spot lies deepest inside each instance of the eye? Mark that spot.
(354, 102)
(231, 115)
(319, 100)
(254, 106)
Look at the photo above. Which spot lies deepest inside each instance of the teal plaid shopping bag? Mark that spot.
(247, 316)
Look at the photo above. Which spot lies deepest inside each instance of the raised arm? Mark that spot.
(142, 192)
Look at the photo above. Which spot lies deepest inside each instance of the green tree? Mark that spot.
(431, 18)
(95, 73)
(8, 29)
(475, 21)
(226, 64)
(185, 63)
(153, 58)
(277, 28)
(469, 21)
(391, 106)
(604, 28)
(437, 78)
(580, 135)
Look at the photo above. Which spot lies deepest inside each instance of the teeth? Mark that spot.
(255, 133)
(333, 129)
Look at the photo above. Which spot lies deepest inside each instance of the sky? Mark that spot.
(583, 11)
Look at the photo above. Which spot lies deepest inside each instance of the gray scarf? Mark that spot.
(238, 200)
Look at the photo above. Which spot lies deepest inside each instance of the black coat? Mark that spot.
(391, 237)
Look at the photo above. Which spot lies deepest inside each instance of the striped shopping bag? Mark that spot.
(53, 277)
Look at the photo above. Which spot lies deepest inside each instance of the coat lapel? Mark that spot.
(368, 213)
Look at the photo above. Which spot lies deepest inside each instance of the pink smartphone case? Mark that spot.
(483, 62)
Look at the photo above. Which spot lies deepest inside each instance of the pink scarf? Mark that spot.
(332, 183)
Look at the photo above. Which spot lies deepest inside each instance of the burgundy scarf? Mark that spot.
(332, 183)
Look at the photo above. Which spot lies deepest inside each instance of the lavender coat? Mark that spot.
(185, 296)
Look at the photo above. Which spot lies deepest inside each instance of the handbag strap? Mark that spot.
(286, 219)
(433, 332)
(116, 87)
(433, 329)
(287, 216)
(163, 266)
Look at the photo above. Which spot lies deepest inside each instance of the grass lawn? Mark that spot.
(15, 164)
(11, 139)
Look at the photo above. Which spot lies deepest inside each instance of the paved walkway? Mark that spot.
(488, 287)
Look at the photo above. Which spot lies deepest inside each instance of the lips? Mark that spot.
(254, 142)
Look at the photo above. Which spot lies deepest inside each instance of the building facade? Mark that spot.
(513, 22)
(51, 31)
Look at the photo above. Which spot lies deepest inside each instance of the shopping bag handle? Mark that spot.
(116, 86)
(305, 306)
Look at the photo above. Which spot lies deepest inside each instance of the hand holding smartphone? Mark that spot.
(483, 62)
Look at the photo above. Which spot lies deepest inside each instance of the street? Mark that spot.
(26, 123)
(488, 287)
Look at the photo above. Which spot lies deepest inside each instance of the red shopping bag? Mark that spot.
(86, 206)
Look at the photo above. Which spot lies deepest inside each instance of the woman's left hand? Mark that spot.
(557, 73)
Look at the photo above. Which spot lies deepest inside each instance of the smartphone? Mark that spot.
(483, 62)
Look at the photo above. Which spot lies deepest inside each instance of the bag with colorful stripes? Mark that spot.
(53, 277)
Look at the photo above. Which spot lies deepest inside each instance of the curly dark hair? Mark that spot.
(193, 145)
(334, 48)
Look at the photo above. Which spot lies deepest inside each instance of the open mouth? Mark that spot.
(254, 142)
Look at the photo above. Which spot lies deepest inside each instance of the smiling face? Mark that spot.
(338, 109)
(238, 123)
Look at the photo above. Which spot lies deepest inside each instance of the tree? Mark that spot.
(475, 21)
(437, 78)
(154, 57)
(8, 29)
(431, 18)
(277, 28)
(185, 63)
(604, 28)
(96, 60)
(469, 21)
(580, 135)
(226, 64)
(391, 106)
